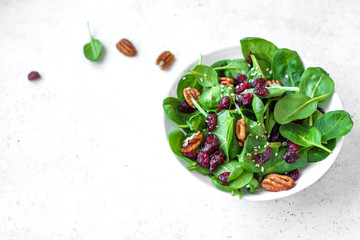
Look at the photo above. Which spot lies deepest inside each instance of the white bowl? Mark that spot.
(309, 175)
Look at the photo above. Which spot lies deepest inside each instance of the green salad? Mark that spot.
(252, 123)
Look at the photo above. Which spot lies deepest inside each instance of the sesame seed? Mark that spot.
(287, 76)
(256, 136)
(276, 154)
(262, 169)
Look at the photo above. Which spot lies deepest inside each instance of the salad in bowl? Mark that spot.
(251, 125)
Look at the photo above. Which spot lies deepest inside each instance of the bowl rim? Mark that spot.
(256, 196)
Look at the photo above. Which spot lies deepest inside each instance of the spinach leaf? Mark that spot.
(93, 49)
(187, 81)
(233, 167)
(314, 117)
(218, 66)
(262, 49)
(278, 165)
(253, 185)
(196, 122)
(253, 144)
(334, 124)
(170, 106)
(205, 75)
(322, 70)
(295, 106)
(258, 108)
(314, 83)
(287, 67)
(275, 90)
(225, 131)
(234, 67)
(269, 122)
(198, 168)
(316, 154)
(306, 137)
(256, 71)
(239, 182)
(211, 96)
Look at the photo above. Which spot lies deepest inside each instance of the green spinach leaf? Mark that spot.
(205, 75)
(196, 122)
(244, 178)
(275, 90)
(187, 81)
(317, 154)
(170, 106)
(258, 108)
(287, 67)
(93, 49)
(233, 167)
(211, 96)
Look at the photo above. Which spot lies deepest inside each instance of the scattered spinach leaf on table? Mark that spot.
(93, 49)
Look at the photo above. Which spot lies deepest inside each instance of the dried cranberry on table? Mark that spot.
(223, 177)
(244, 99)
(294, 174)
(211, 122)
(240, 78)
(224, 103)
(290, 156)
(192, 155)
(263, 157)
(203, 159)
(241, 87)
(185, 108)
(216, 159)
(33, 75)
(210, 144)
(261, 91)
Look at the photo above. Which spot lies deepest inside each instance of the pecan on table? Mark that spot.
(165, 60)
(126, 47)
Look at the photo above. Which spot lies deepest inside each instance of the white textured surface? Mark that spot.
(83, 151)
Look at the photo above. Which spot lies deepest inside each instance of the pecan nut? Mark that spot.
(226, 81)
(276, 182)
(189, 93)
(274, 82)
(126, 47)
(192, 142)
(240, 131)
(165, 60)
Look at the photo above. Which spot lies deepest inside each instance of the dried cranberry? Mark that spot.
(210, 144)
(259, 82)
(294, 174)
(263, 157)
(216, 159)
(275, 135)
(33, 75)
(320, 109)
(224, 184)
(261, 91)
(292, 146)
(191, 155)
(184, 107)
(290, 156)
(211, 122)
(224, 103)
(244, 99)
(249, 60)
(241, 87)
(240, 78)
(203, 159)
(224, 176)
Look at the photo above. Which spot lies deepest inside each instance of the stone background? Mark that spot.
(83, 154)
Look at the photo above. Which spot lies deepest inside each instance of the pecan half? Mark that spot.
(240, 143)
(226, 81)
(165, 60)
(240, 130)
(189, 93)
(276, 182)
(274, 82)
(192, 142)
(126, 47)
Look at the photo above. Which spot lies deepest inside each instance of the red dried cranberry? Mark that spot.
(241, 87)
(261, 91)
(240, 78)
(320, 109)
(184, 107)
(224, 184)
(275, 135)
(259, 82)
(191, 155)
(224, 176)
(224, 103)
(244, 99)
(292, 146)
(263, 157)
(33, 75)
(290, 156)
(211, 122)
(294, 174)
(203, 159)
(216, 159)
(210, 144)
(249, 60)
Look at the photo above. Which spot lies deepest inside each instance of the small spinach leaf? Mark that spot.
(314, 83)
(234, 67)
(233, 167)
(187, 81)
(205, 75)
(334, 124)
(287, 67)
(211, 96)
(316, 154)
(196, 122)
(93, 49)
(258, 108)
